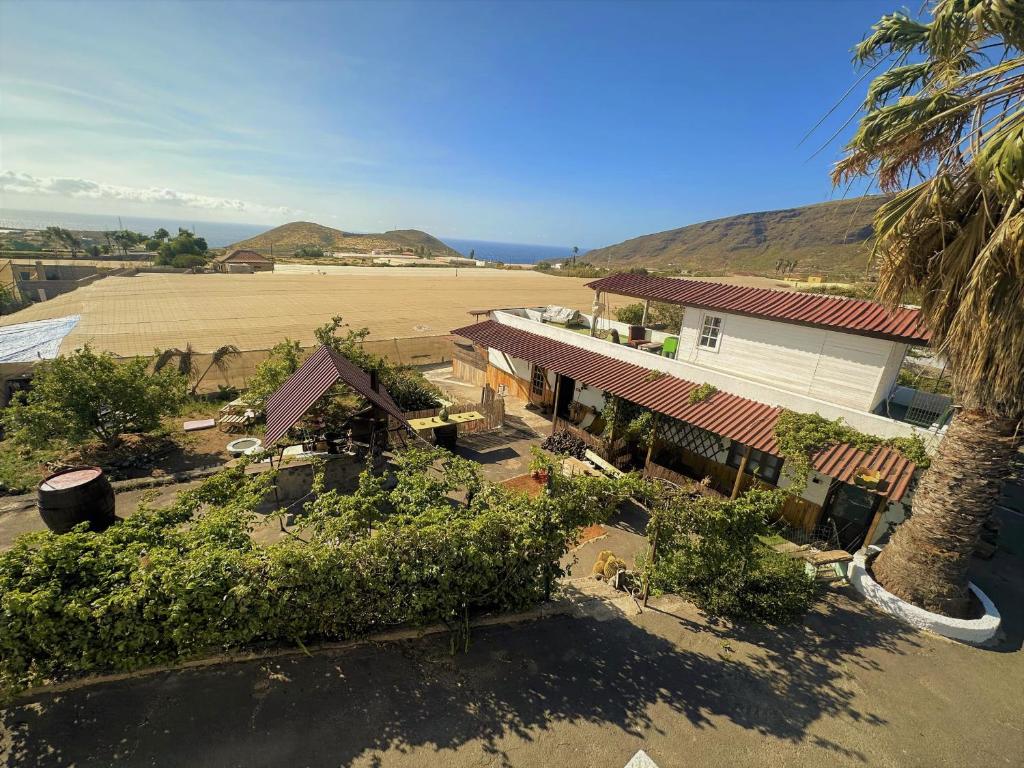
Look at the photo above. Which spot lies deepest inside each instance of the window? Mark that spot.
(710, 332)
(537, 383)
(760, 464)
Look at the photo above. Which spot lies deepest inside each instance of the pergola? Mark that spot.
(312, 380)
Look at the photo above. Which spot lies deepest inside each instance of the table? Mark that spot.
(445, 432)
(432, 422)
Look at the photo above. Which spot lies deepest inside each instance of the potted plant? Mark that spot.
(540, 465)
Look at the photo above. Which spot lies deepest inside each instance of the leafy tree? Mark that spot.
(184, 250)
(942, 131)
(282, 361)
(472, 253)
(310, 252)
(8, 299)
(88, 395)
(161, 234)
(153, 244)
(407, 386)
(93, 250)
(710, 550)
(188, 261)
(126, 239)
(630, 313)
(65, 238)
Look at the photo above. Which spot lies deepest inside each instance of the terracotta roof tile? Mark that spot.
(738, 418)
(866, 318)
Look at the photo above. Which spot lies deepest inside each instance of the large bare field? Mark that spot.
(135, 315)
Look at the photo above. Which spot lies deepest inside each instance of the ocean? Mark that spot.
(511, 253)
(221, 233)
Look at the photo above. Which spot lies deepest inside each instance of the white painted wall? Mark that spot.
(864, 421)
(514, 365)
(589, 396)
(841, 368)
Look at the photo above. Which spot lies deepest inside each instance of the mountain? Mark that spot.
(833, 237)
(288, 238)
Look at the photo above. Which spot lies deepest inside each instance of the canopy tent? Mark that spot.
(315, 376)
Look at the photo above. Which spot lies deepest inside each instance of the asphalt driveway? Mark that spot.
(848, 687)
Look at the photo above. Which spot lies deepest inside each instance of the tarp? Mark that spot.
(39, 340)
(561, 315)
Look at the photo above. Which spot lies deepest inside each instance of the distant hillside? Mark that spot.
(288, 238)
(832, 237)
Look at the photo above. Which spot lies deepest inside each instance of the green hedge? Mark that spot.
(151, 590)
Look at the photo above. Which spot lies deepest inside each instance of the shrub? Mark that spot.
(153, 589)
(630, 313)
(88, 395)
(709, 550)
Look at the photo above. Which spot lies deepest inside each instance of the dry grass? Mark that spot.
(135, 315)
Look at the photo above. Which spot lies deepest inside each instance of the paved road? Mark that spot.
(848, 688)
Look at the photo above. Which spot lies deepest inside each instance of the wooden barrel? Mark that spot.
(77, 495)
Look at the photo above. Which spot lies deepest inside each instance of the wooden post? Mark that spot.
(879, 512)
(647, 309)
(739, 473)
(593, 313)
(650, 445)
(554, 408)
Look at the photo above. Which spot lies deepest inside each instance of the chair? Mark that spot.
(669, 346)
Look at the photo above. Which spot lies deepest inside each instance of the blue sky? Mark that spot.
(559, 123)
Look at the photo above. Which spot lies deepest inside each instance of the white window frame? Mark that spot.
(712, 333)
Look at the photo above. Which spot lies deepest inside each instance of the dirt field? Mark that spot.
(134, 315)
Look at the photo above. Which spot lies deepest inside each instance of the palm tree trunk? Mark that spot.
(927, 559)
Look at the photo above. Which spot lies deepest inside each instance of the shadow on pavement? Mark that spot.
(514, 683)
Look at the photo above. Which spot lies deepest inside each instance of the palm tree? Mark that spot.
(218, 359)
(575, 250)
(184, 361)
(942, 130)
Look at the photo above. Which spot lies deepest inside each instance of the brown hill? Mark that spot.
(288, 238)
(833, 237)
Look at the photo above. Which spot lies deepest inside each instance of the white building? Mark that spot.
(761, 351)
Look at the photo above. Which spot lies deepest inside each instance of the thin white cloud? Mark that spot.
(57, 186)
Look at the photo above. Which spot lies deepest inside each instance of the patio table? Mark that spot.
(445, 432)
(432, 422)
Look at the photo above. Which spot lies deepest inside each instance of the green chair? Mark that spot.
(669, 346)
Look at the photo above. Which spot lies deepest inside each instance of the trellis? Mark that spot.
(685, 435)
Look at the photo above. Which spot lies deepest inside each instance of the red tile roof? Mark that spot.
(865, 318)
(308, 384)
(242, 256)
(843, 461)
(738, 418)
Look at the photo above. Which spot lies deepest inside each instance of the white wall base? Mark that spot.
(973, 631)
